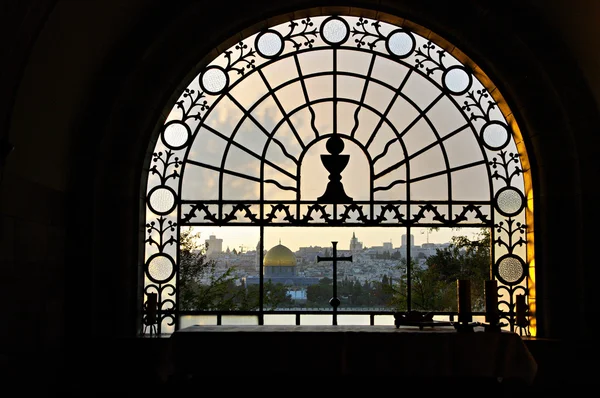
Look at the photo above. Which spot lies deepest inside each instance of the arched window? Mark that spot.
(327, 130)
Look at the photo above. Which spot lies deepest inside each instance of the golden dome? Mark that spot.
(279, 256)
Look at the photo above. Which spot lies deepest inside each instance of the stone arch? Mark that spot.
(535, 86)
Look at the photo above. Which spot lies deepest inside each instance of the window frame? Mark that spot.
(166, 230)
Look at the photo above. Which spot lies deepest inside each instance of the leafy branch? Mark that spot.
(160, 229)
(363, 33)
(243, 58)
(477, 98)
(428, 57)
(193, 97)
(304, 34)
(506, 159)
(165, 162)
(511, 228)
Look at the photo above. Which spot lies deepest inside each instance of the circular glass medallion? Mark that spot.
(214, 79)
(457, 80)
(400, 43)
(495, 135)
(160, 268)
(269, 44)
(335, 31)
(161, 200)
(509, 201)
(176, 134)
(511, 269)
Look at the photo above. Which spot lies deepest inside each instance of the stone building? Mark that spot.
(280, 266)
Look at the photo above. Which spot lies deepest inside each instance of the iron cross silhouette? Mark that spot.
(334, 302)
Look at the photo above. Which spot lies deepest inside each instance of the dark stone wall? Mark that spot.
(87, 86)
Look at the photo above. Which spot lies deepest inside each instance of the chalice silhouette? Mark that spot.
(335, 164)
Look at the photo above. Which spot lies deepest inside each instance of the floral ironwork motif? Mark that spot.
(289, 64)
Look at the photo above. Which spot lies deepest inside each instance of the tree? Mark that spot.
(399, 292)
(204, 287)
(464, 259)
(200, 286)
(381, 292)
(429, 292)
(319, 295)
(276, 296)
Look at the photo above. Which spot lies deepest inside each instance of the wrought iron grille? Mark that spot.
(337, 121)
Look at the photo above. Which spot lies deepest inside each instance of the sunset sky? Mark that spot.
(273, 124)
(296, 237)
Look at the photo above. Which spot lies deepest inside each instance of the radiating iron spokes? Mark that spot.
(391, 118)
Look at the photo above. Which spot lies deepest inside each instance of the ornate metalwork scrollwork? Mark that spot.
(504, 210)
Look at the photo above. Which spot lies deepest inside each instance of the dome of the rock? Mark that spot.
(279, 256)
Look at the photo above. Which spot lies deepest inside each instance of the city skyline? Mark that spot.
(247, 238)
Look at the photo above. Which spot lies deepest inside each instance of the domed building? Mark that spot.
(279, 266)
(279, 262)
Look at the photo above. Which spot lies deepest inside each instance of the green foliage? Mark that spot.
(463, 259)
(219, 293)
(276, 296)
(351, 293)
(433, 287)
(203, 287)
(318, 295)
